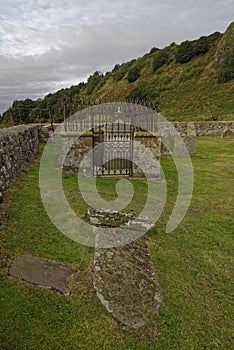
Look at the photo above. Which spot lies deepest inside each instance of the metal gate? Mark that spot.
(113, 149)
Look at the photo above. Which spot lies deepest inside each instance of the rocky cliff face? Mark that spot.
(225, 43)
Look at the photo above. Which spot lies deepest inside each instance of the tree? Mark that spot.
(160, 58)
(153, 50)
(21, 110)
(200, 46)
(213, 38)
(140, 92)
(185, 52)
(133, 74)
(116, 67)
(93, 80)
(121, 71)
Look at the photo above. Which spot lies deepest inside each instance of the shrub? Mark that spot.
(133, 74)
(145, 90)
(189, 49)
(140, 92)
(226, 71)
(213, 38)
(116, 67)
(160, 58)
(153, 50)
(200, 46)
(92, 82)
(121, 71)
(185, 52)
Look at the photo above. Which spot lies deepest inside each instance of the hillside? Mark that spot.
(190, 81)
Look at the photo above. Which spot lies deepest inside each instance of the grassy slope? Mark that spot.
(194, 264)
(186, 91)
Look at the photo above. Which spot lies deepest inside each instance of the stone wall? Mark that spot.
(203, 128)
(18, 148)
(74, 148)
(148, 156)
(75, 145)
(146, 152)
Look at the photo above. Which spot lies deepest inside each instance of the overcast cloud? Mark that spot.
(46, 44)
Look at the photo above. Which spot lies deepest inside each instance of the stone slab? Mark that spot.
(111, 218)
(45, 273)
(126, 283)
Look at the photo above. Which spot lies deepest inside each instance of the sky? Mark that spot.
(46, 45)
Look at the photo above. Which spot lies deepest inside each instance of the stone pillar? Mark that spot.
(148, 155)
(191, 129)
(188, 147)
(75, 146)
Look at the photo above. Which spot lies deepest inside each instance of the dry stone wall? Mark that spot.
(19, 145)
(203, 128)
(18, 148)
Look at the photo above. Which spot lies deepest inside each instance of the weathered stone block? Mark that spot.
(227, 133)
(189, 146)
(45, 273)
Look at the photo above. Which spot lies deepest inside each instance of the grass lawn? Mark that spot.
(194, 265)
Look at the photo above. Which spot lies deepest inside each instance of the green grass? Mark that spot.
(186, 92)
(194, 265)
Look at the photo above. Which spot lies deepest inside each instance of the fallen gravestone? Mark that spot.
(45, 273)
(124, 277)
(126, 283)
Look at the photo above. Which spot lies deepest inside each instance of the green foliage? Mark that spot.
(226, 71)
(121, 71)
(190, 49)
(73, 90)
(93, 81)
(213, 38)
(132, 62)
(116, 67)
(188, 74)
(200, 46)
(20, 111)
(160, 58)
(185, 52)
(133, 74)
(153, 50)
(149, 89)
(140, 92)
